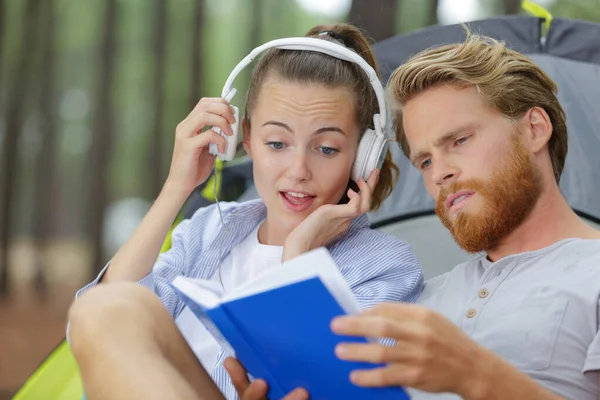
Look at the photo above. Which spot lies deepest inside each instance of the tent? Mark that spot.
(569, 53)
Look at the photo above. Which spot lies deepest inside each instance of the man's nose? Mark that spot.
(444, 172)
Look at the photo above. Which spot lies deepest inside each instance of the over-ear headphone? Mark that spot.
(374, 142)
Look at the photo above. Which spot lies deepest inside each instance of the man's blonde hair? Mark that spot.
(505, 79)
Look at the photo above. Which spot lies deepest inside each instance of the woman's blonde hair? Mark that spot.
(505, 79)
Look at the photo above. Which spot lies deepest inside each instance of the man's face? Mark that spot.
(473, 163)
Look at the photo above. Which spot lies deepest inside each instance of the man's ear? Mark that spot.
(246, 137)
(538, 128)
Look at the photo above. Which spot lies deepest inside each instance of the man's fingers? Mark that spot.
(238, 375)
(376, 353)
(368, 326)
(392, 375)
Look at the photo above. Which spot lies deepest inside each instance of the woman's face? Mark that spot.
(303, 142)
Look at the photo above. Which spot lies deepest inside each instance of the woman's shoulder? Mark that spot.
(362, 236)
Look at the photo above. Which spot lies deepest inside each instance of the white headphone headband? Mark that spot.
(321, 46)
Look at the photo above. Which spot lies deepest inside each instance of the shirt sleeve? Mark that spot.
(592, 361)
(380, 268)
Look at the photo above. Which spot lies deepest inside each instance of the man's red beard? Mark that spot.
(508, 199)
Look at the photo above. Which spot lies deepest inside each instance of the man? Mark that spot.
(520, 321)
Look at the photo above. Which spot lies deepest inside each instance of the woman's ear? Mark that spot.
(246, 137)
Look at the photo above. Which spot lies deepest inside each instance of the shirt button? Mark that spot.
(471, 313)
(483, 293)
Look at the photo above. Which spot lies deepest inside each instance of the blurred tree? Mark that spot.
(14, 118)
(196, 51)
(102, 138)
(414, 14)
(577, 9)
(512, 6)
(432, 16)
(2, 37)
(256, 23)
(45, 190)
(154, 171)
(377, 18)
(255, 39)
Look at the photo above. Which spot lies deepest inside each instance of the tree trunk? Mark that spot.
(102, 138)
(377, 18)
(8, 168)
(256, 24)
(195, 53)
(432, 17)
(2, 35)
(512, 6)
(46, 179)
(154, 158)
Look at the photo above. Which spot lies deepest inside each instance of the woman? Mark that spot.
(305, 115)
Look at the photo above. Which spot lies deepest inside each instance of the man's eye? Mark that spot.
(328, 151)
(276, 145)
(426, 163)
(461, 140)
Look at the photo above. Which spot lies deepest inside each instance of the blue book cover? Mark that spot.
(279, 329)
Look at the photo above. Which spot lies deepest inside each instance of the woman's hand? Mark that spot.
(257, 390)
(330, 221)
(191, 164)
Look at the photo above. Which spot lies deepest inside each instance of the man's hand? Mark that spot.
(330, 221)
(431, 353)
(257, 390)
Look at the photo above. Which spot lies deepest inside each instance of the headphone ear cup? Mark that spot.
(370, 155)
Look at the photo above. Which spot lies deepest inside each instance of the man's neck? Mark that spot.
(551, 220)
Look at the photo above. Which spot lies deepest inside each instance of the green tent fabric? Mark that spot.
(57, 378)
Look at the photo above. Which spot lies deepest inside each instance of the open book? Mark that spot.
(278, 326)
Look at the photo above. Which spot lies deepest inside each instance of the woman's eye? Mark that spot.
(328, 151)
(276, 145)
(426, 163)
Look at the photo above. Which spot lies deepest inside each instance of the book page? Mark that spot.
(205, 293)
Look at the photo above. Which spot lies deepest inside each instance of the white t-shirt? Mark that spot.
(245, 261)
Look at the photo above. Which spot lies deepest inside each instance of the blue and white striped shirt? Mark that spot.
(377, 266)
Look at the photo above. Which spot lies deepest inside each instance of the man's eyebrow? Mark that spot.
(441, 141)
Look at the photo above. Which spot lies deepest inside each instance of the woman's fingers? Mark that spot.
(195, 123)
(208, 137)
(208, 112)
(215, 105)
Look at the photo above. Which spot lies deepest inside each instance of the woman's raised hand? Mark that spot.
(191, 163)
